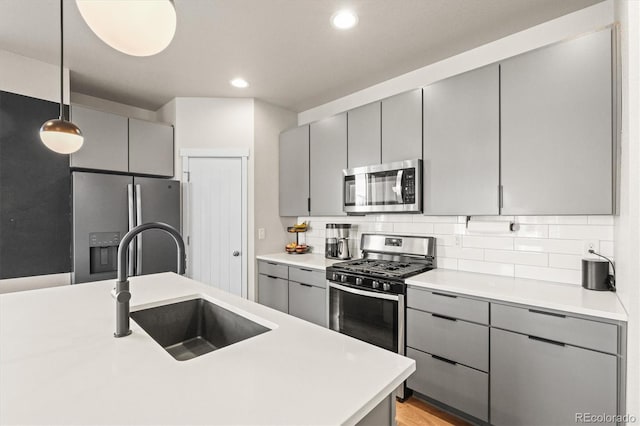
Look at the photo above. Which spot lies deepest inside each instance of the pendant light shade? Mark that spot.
(134, 27)
(60, 135)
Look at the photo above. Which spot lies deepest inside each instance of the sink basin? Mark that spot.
(195, 327)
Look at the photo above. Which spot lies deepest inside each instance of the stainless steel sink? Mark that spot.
(195, 327)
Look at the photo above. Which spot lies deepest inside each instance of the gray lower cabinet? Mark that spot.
(540, 382)
(150, 148)
(308, 302)
(328, 157)
(294, 172)
(402, 127)
(105, 140)
(462, 144)
(365, 143)
(273, 292)
(556, 129)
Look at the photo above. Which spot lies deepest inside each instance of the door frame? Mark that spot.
(243, 155)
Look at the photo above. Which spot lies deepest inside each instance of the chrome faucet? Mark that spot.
(121, 291)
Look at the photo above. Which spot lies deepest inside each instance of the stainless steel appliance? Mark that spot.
(105, 207)
(595, 273)
(337, 241)
(367, 296)
(391, 187)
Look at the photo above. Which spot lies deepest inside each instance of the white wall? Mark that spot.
(113, 107)
(582, 21)
(627, 224)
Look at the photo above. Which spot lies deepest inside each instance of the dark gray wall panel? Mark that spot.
(35, 192)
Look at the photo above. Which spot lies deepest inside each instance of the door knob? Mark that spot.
(236, 253)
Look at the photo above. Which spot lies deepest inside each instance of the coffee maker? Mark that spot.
(337, 241)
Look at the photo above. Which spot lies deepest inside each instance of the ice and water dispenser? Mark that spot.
(103, 252)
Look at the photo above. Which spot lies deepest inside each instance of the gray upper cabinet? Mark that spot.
(364, 135)
(402, 127)
(150, 148)
(294, 171)
(462, 144)
(328, 157)
(105, 140)
(556, 128)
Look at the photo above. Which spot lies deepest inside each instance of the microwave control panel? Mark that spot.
(409, 186)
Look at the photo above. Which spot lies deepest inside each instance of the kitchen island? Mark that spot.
(60, 364)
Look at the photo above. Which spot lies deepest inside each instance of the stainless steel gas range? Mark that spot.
(367, 295)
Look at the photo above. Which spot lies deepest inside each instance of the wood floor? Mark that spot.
(414, 412)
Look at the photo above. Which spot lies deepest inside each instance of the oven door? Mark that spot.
(375, 318)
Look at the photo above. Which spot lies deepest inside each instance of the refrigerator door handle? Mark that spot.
(132, 223)
(138, 222)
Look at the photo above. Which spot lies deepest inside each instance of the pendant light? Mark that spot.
(134, 27)
(60, 135)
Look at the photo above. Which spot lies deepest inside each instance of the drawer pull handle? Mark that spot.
(305, 285)
(444, 317)
(306, 270)
(272, 277)
(445, 295)
(552, 314)
(271, 263)
(448, 361)
(540, 339)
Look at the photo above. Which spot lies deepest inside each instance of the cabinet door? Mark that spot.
(556, 127)
(150, 148)
(402, 127)
(462, 144)
(294, 172)
(35, 192)
(328, 158)
(273, 292)
(308, 302)
(534, 382)
(105, 140)
(363, 127)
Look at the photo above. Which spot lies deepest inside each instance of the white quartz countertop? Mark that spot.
(60, 364)
(307, 260)
(544, 294)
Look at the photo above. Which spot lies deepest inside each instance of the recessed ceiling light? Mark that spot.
(239, 82)
(344, 19)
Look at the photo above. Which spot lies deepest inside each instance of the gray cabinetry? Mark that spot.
(105, 140)
(402, 127)
(308, 302)
(462, 144)
(294, 172)
(150, 148)
(328, 157)
(556, 124)
(534, 381)
(273, 292)
(364, 136)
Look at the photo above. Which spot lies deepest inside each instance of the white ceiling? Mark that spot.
(286, 49)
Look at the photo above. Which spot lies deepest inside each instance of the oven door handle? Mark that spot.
(364, 292)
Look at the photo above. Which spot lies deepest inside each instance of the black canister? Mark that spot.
(595, 275)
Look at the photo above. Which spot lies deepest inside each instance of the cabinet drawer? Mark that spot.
(273, 269)
(273, 292)
(308, 302)
(448, 305)
(458, 386)
(308, 276)
(456, 340)
(574, 331)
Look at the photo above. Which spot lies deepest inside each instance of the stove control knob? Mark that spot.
(343, 278)
(334, 277)
(375, 284)
(386, 286)
(359, 281)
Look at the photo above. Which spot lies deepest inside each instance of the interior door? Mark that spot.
(214, 218)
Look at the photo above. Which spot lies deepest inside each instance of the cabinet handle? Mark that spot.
(272, 277)
(540, 339)
(444, 317)
(306, 270)
(445, 295)
(271, 263)
(552, 314)
(305, 285)
(448, 361)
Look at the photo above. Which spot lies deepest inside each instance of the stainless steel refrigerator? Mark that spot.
(105, 207)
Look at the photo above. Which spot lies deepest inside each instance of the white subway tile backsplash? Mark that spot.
(395, 218)
(565, 261)
(553, 220)
(548, 245)
(581, 232)
(498, 243)
(448, 228)
(606, 248)
(485, 267)
(446, 240)
(447, 263)
(376, 227)
(411, 228)
(568, 276)
(517, 257)
(435, 219)
(460, 252)
(600, 220)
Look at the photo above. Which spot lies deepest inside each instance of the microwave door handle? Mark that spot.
(398, 189)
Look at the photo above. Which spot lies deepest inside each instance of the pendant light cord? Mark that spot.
(61, 62)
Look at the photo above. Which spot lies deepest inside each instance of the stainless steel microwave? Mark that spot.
(382, 188)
